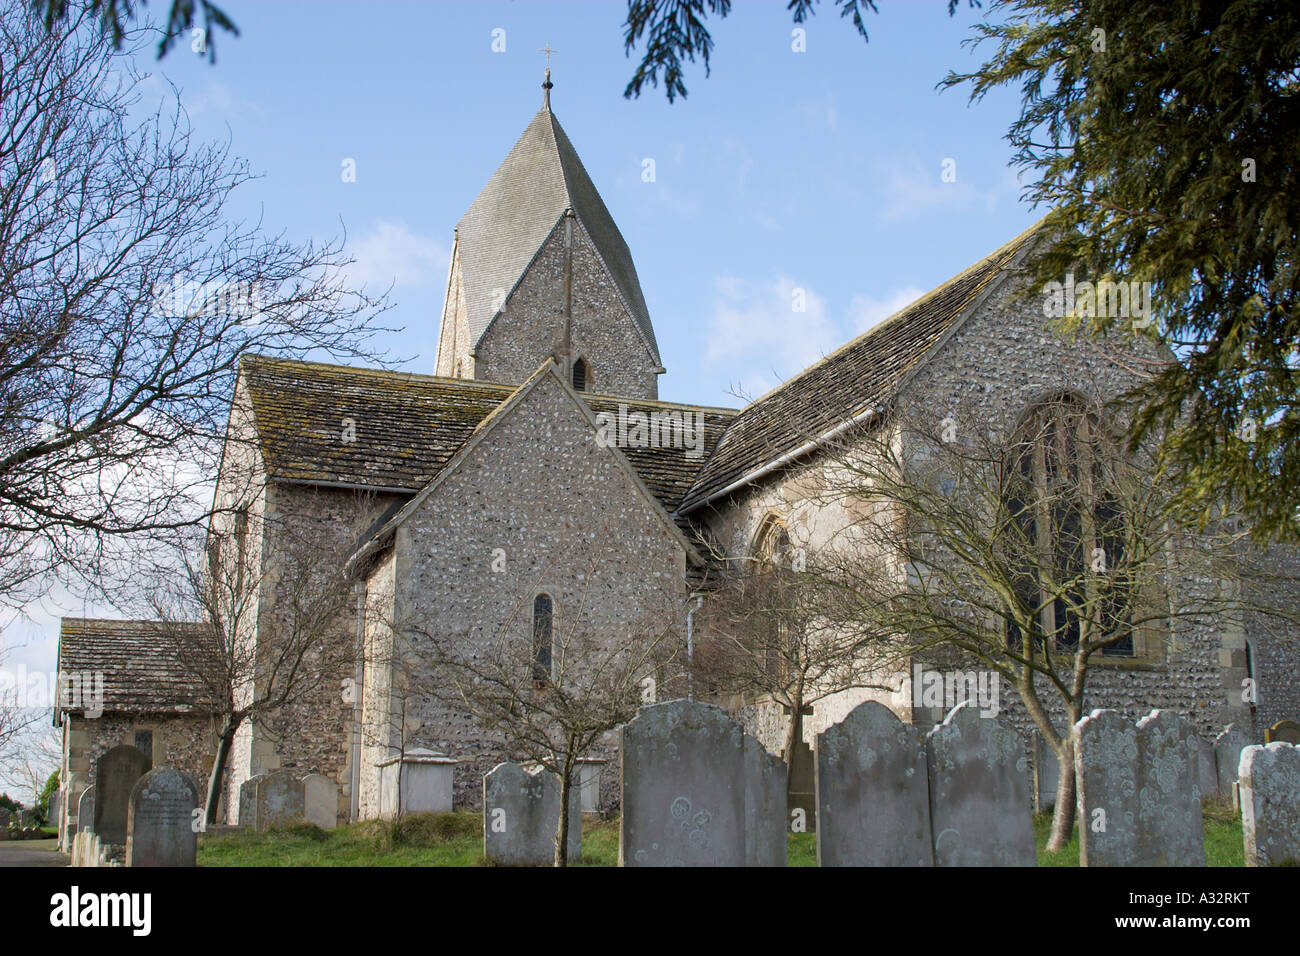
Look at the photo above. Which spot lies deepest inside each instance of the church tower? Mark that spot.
(539, 270)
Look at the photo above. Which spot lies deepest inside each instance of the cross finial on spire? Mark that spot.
(546, 86)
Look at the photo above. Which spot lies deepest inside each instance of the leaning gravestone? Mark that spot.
(979, 792)
(873, 792)
(1270, 804)
(115, 775)
(683, 787)
(86, 811)
(320, 801)
(1287, 731)
(1170, 828)
(281, 800)
(162, 831)
(765, 806)
(1106, 767)
(248, 801)
(521, 814)
(1227, 755)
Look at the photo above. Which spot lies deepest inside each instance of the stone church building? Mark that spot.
(481, 496)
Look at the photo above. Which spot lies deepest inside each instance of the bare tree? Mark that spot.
(1033, 549)
(764, 638)
(128, 295)
(549, 697)
(247, 658)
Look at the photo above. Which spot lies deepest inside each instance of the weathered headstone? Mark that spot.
(26, 819)
(116, 773)
(1046, 769)
(1106, 765)
(1170, 828)
(765, 806)
(320, 801)
(281, 800)
(1207, 773)
(979, 792)
(1227, 755)
(86, 811)
(873, 793)
(248, 801)
(56, 808)
(1138, 790)
(4, 817)
(683, 787)
(521, 814)
(162, 831)
(1270, 803)
(1286, 731)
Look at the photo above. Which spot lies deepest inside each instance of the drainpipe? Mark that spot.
(358, 676)
(690, 646)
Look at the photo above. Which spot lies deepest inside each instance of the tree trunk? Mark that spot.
(227, 738)
(1063, 812)
(562, 830)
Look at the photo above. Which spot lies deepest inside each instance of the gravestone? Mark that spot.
(417, 781)
(248, 801)
(873, 792)
(281, 800)
(1227, 755)
(589, 771)
(979, 792)
(116, 773)
(683, 787)
(1207, 773)
(86, 811)
(4, 817)
(1170, 828)
(320, 801)
(521, 813)
(1106, 768)
(1046, 774)
(161, 831)
(26, 819)
(1286, 731)
(1270, 803)
(765, 806)
(1139, 791)
(56, 808)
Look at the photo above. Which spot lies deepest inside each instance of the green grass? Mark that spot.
(1223, 840)
(456, 839)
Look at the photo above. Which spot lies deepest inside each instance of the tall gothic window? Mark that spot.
(1069, 527)
(580, 374)
(543, 624)
(772, 552)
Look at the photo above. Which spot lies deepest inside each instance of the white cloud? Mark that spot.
(392, 253)
(916, 189)
(220, 99)
(757, 335)
(867, 311)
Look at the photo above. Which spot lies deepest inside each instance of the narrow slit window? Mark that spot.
(580, 375)
(543, 624)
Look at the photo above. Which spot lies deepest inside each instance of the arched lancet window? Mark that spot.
(581, 375)
(1068, 527)
(543, 624)
(772, 553)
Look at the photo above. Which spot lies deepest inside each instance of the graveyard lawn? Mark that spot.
(456, 839)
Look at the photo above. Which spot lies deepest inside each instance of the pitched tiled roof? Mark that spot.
(407, 427)
(498, 236)
(855, 378)
(140, 664)
(404, 427)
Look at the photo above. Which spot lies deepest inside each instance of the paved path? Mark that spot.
(31, 853)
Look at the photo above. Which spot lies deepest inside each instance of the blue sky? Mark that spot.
(818, 171)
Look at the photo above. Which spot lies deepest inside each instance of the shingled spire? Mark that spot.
(501, 238)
